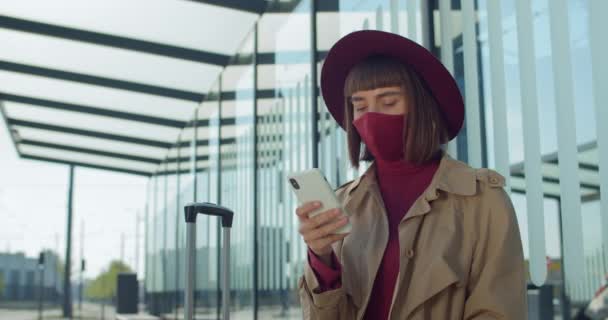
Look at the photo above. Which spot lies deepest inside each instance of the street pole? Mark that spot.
(81, 266)
(122, 247)
(137, 244)
(41, 287)
(56, 270)
(67, 283)
(565, 305)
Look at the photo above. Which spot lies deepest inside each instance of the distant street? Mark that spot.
(90, 311)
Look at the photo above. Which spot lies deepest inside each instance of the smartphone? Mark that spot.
(311, 185)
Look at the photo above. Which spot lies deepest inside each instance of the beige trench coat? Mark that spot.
(460, 252)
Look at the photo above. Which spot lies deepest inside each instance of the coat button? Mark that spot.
(410, 253)
(493, 180)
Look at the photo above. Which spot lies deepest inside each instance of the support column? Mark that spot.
(314, 85)
(67, 284)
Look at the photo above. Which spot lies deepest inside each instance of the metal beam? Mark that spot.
(92, 110)
(204, 142)
(287, 57)
(254, 154)
(105, 39)
(590, 197)
(247, 94)
(180, 159)
(101, 81)
(218, 187)
(125, 85)
(223, 122)
(523, 192)
(89, 133)
(314, 105)
(250, 6)
(86, 165)
(116, 137)
(581, 165)
(290, 6)
(127, 156)
(265, 7)
(199, 169)
(89, 151)
(143, 46)
(10, 131)
(553, 158)
(556, 181)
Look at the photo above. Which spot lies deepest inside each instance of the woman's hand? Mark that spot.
(318, 231)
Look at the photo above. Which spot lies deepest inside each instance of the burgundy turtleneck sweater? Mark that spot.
(400, 184)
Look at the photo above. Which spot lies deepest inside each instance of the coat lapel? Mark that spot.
(362, 253)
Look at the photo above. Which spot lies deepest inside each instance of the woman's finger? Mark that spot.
(322, 243)
(305, 209)
(325, 230)
(319, 220)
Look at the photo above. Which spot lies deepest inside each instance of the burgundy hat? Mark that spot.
(357, 46)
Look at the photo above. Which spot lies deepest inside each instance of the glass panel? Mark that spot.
(163, 214)
(90, 122)
(589, 154)
(149, 232)
(598, 49)
(471, 82)
(160, 263)
(206, 190)
(95, 96)
(185, 195)
(269, 41)
(284, 146)
(105, 61)
(237, 189)
(329, 148)
(79, 141)
(172, 230)
(117, 17)
(63, 155)
(531, 54)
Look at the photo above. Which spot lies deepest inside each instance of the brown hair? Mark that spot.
(426, 126)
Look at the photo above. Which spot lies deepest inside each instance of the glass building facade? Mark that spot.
(534, 86)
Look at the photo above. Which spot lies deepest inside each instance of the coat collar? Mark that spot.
(452, 176)
(363, 200)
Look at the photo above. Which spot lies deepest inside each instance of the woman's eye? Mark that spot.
(360, 108)
(390, 103)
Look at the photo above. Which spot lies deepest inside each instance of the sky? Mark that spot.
(33, 209)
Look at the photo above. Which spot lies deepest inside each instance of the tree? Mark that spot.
(104, 285)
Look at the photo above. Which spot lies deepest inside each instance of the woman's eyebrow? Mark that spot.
(356, 99)
(388, 93)
(381, 95)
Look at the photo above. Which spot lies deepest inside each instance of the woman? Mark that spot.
(432, 238)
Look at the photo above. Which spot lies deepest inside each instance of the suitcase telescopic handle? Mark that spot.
(193, 209)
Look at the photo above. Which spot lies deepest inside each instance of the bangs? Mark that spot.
(374, 72)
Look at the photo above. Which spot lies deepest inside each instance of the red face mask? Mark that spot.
(382, 134)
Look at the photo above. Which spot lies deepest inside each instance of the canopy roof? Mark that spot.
(111, 84)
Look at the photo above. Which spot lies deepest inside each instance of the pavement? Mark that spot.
(90, 311)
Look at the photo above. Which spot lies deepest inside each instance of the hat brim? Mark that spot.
(357, 46)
